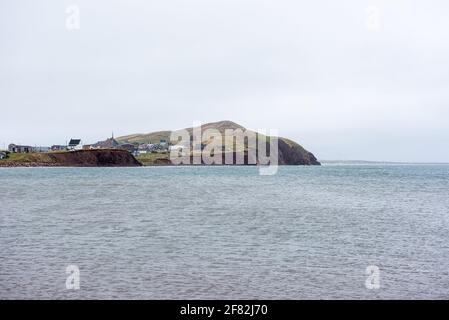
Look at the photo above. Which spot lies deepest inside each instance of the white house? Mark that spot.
(75, 144)
(176, 147)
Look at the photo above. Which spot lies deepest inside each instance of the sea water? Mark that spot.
(225, 232)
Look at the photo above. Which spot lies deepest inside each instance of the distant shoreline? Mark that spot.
(5, 165)
(122, 158)
(368, 162)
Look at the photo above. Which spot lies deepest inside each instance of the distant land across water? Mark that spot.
(290, 152)
(369, 162)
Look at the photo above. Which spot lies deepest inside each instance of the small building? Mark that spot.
(3, 155)
(14, 148)
(41, 149)
(163, 142)
(145, 148)
(110, 143)
(75, 144)
(58, 148)
(176, 147)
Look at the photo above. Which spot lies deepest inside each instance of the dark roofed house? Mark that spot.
(75, 144)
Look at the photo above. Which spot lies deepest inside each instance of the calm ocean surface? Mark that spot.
(225, 232)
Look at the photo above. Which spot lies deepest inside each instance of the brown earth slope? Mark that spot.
(81, 158)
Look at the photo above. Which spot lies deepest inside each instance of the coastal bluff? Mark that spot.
(289, 151)
(79, 158)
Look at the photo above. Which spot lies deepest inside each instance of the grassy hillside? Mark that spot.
(23, 158)
(154, 137)
(154, 159)
(290, 152)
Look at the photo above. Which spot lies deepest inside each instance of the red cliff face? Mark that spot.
(96, 158)
(290, 153)
(81, 158)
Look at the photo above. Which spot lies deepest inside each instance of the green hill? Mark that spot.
(290, 152)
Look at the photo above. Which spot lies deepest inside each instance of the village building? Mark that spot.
(41, 149)
(14, 148)
(75, 144)
(110, 143)
(176, 147)
(145, 148)
(3, 155)
(58, 148)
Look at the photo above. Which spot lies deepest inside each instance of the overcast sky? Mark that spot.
(347, 79)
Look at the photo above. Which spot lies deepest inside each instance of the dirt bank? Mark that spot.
(81, 158)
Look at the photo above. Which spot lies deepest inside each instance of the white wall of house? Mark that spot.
(78, 147)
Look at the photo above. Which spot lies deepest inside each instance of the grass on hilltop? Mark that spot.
(28, 158)
(152, 159)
